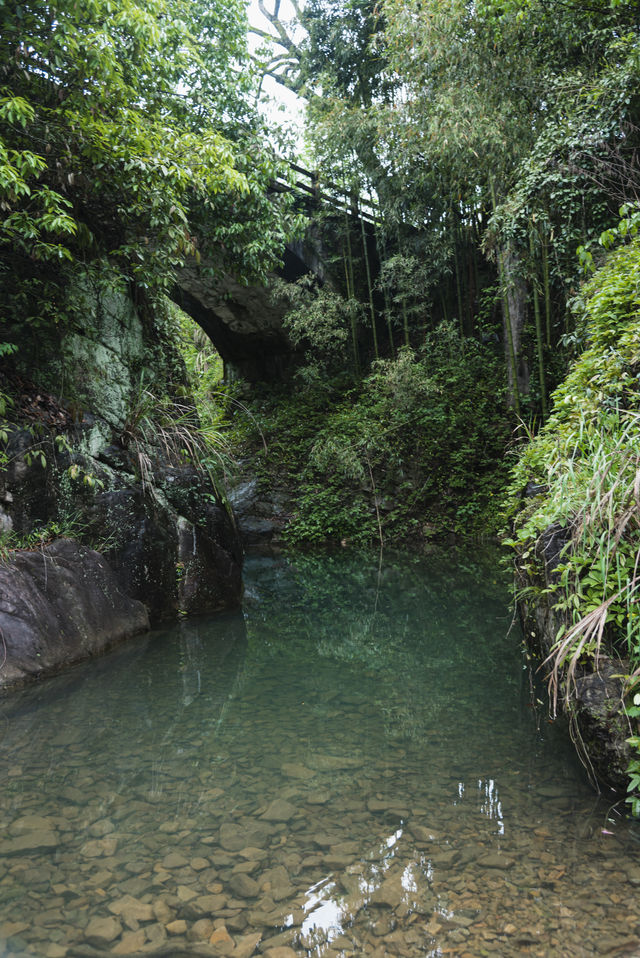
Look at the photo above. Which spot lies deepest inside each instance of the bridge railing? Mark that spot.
(321, 191)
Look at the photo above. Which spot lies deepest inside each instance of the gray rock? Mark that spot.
(389, 894)
(246, 946)
(284, 939)
(496, 860)
(332, 763)
(201, 930)
(244, 886)
(295, 770)
(102, 931)
(99, 847)
(131, 909)
(58, 606)
(233, 837)
(445, 858)
(39, 840)
(422, 833)
(174, 860)
(279, 811)
(201, 906)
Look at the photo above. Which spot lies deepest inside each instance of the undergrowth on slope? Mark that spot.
(413, 451)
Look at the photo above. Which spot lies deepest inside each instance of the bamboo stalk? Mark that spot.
(509, 330)
(507, 320)
(443, 301)
(547, 287)
(458, 283)
(352, 315)
(471, 288)
(536, 310)
(382, 255)
(405, 313)
(370, 290)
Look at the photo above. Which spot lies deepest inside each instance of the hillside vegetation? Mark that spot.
(581, 479)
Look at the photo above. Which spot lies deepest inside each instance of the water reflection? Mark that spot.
(344, 770)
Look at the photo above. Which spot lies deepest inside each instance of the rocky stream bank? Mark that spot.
(117, 527)
(592, 698)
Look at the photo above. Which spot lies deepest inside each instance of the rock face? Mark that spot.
(170, 541)
(261, 515)
(171, 545)
(603, 724)
(59, 605)
(97, 451)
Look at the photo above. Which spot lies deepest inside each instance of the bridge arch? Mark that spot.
(242, 322)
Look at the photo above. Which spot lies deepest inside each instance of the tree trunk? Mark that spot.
(514, 312)
(372, 310)
(538, 318)
(514, 316)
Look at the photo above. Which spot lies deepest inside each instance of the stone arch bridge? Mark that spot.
(242, 322)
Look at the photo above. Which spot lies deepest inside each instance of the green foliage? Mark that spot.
(523, 163)
(78, 473)
(204, 367)
(479, 175)
(326, 512)
(120, 138)
(587, 461)
(586, 455)
(65, 527)
(413, 451)
(339, 52)
(318, 320)
(633, 799)
(408, 282)
(162, 428)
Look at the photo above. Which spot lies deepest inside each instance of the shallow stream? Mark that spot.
(356, 765)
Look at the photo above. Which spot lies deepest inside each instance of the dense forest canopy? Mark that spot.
(498, 138)
(129, 135)
(496, 142)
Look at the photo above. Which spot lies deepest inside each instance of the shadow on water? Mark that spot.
(350, 767)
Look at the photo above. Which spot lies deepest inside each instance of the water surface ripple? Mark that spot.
(352, 766)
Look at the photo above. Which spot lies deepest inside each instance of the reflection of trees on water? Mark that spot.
(212, 654)
(428, 637)
(135, 707)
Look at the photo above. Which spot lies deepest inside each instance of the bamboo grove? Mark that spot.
(496, 140)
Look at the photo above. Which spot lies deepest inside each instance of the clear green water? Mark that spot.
(347, 768)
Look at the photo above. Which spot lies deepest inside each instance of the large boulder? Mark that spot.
(171, 545)
(170, 540)
(59, 605)
(261, 514)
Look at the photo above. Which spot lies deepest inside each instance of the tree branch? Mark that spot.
(283, 37)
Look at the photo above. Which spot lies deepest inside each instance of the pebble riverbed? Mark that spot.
(357, 765)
